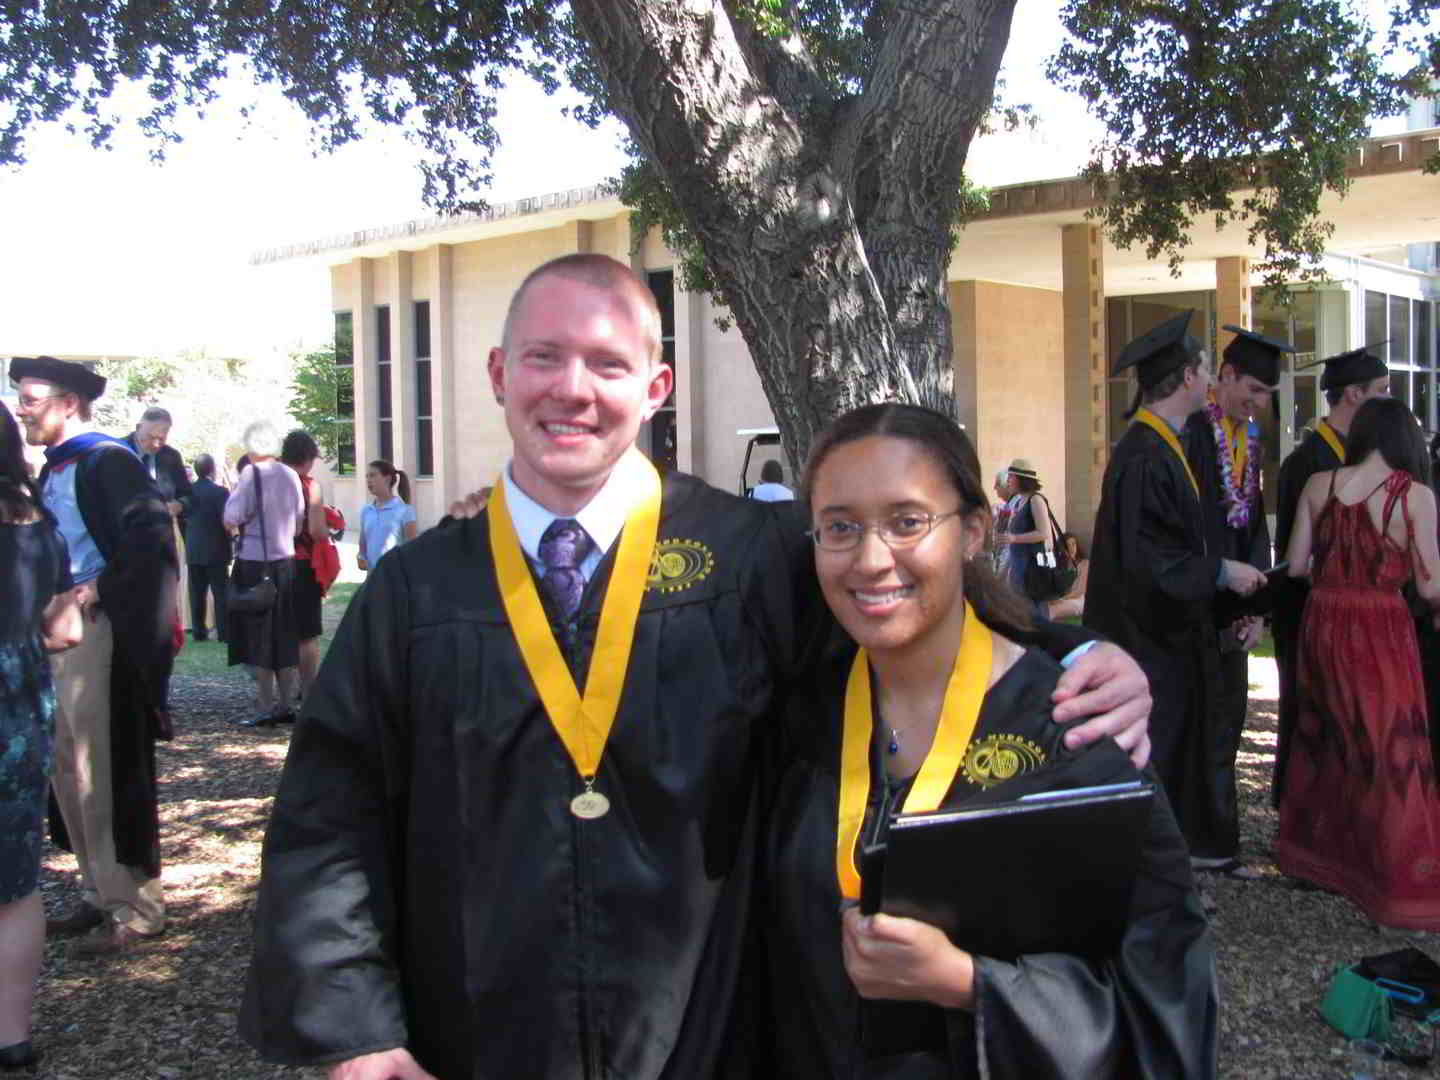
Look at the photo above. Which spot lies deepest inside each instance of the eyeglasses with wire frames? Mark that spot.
(27, 402)
(900, 530)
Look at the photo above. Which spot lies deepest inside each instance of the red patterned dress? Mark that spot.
(1360, 812)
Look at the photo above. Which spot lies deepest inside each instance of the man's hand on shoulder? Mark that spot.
(394, 1064)
(469, 506)
(1108, 689)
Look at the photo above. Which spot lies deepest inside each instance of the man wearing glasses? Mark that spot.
(122, 559)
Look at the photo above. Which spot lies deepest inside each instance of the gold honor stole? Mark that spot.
(1331, 436)
(969, 680)
(582, 724)
(1161, 428)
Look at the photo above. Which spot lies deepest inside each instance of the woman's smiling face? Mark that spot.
(892, 598)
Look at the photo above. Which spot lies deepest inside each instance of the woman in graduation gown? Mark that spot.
(900, 518)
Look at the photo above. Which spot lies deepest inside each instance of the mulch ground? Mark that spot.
(170, 1012)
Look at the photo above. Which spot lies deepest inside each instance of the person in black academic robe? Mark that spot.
(132, 528)
(1152, 589)
(1216, 835)
(465, 911)
(1148, 1010)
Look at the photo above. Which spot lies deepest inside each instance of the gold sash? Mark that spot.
(1331, 436)
(583, 726)
(1161, 428)
(969, 680)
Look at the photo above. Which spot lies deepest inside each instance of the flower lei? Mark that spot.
(1237, 498)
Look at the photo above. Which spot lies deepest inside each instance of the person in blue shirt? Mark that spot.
(389, 520)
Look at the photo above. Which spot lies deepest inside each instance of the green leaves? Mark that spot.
(1236, 109)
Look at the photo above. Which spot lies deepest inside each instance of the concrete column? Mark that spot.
(581, 236)
(367, 431)
(442, 372)
(1082, 261)
(690, 430)
(1232, 299)
(402, 360)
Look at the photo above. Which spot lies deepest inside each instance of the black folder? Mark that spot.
(1045, 872)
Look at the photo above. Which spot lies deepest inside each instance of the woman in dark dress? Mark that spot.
(1360, 812)
(39, 616)
(899, 524)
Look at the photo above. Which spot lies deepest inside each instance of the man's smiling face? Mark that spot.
(578, 377)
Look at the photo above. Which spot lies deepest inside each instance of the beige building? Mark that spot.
(1040, 305)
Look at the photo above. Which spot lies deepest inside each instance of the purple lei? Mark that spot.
(1237, 502)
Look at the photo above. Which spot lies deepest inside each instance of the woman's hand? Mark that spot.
(906, 960)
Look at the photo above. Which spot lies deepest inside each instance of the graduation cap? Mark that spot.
(1356, 366)
(76, 378)
(1255, 355)
(1159, 352)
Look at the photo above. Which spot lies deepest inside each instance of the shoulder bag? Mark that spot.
(1049, 574)
(260, 597)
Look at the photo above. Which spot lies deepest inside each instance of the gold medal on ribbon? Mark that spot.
(583, 724)
(969, 679)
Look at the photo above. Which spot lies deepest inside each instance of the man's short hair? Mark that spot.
(772, 473)
(205, 466)
(1334, 395)
(601, 272)
(156, 415)
(1170, 383)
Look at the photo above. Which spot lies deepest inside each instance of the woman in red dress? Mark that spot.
(1360, 812)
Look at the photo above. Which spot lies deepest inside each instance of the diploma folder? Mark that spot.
(1047, 872)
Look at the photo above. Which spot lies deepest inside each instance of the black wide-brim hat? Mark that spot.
(77, 378)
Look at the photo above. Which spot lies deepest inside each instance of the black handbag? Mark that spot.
(260, 597)
(1050, 574)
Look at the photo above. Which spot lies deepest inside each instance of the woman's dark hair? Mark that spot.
(1079, 547)
(1387, 424)
(1027, 485)
(19, 497)
(298, 448)
(996, 604)
(396, 477)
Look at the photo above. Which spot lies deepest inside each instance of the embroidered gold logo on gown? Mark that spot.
(678, 564)
(996, 758)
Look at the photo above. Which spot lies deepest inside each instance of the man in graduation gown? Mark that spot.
(470, 870)
(1154, 577)
(1349, 380)
(108, 688)
(1223, 447)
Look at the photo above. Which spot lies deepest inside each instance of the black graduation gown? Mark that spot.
(424, 882)
(1218, 834)
(1312, 456)
(1152, 590)
(130, 524)
(1148, 1011)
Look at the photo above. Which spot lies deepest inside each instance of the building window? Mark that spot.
(383, 403)
(345, 393)
(664, 435)
(424, 430)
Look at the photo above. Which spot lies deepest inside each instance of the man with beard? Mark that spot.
(107, 689)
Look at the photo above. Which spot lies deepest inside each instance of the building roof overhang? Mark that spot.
(1017, 240)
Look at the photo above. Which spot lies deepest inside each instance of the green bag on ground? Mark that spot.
(1356, 1007)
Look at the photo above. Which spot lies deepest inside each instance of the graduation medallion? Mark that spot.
(589, 804)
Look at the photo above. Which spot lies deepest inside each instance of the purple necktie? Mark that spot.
(562, 549)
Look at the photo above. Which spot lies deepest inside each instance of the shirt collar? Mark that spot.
(602, 517)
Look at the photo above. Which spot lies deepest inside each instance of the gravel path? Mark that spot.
(170, 1012)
